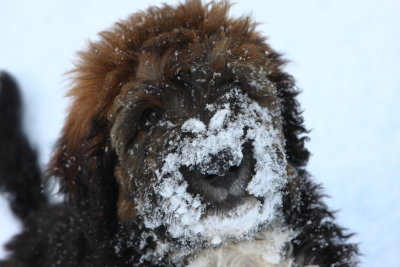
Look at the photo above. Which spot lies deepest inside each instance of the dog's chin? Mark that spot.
(229, 208)
(237, 221)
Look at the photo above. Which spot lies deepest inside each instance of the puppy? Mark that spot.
(184, 146)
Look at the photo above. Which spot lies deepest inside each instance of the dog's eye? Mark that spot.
(149, 117)
(153, 116)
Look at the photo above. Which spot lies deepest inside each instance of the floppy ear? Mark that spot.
(83, 160)
(84, 163)
(86, 171)
(293, 122)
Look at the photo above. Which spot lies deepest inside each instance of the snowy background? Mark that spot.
(345, 55)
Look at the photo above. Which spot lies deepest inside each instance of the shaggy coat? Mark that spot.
(155, 59)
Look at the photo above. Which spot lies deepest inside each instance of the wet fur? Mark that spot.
(98, 225)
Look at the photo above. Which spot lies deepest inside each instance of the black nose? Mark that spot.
(220, 163)
(225, 180)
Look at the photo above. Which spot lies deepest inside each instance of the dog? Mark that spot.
(184, 146)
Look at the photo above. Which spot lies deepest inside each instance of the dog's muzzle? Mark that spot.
(223, 179)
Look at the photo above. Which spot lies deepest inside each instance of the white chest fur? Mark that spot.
(272, 249)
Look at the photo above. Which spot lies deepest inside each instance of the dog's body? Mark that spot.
(184, 146)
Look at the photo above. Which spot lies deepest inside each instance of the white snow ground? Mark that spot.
(344, 55)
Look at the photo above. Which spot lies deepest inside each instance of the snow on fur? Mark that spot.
(184, 214)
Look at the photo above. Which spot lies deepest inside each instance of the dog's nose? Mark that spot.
(220, 163)
(225, 180)
(222, 169)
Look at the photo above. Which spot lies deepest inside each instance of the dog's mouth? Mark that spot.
(222, 182)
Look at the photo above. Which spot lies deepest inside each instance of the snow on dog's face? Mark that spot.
(201, 155)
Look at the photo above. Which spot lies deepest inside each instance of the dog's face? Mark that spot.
(200, 146)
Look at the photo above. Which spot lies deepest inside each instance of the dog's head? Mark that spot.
(182, 120)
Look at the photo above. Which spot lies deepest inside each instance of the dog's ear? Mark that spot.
(293, 122)
(85, 167)
(83, 160)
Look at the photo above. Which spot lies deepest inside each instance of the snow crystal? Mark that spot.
(217, 120)
(194, 125)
